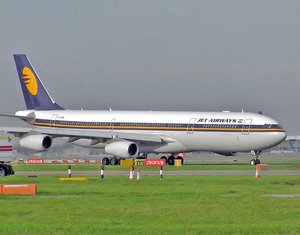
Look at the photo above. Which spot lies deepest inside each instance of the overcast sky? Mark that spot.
(157, 55)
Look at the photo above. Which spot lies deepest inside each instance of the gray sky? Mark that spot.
(157, 55)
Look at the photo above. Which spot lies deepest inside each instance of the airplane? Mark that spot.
(135, 134)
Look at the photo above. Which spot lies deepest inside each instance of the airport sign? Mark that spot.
(155, 162)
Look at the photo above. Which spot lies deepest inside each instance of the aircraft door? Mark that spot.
(112, 124)
(191, 125)
(53, 119)
(246, 126)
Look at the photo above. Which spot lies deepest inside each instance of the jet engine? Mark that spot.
(36, 142)
(125, 149)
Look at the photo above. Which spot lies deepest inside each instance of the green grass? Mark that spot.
(55, 167)
(174, 205)
(96, 167)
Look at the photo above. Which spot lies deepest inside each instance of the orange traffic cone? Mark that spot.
(257, 168)
(138, 177)
(131, 173)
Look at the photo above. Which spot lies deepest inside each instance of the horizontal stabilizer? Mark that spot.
(30, 118)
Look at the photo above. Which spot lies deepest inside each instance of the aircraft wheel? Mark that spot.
(163, 157)
(105, 161)
(171, 160)
(2, 171)
(113, 161)
(252, 162)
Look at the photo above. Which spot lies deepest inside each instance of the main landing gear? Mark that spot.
(116, 161)
(171, 159)
(111, 161)
(255, 155)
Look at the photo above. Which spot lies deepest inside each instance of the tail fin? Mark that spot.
(35, 94)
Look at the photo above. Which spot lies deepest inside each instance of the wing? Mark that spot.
(78, 133)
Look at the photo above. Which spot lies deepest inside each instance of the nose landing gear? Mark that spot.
(255, 155)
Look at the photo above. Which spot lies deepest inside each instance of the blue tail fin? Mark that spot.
(35, 94)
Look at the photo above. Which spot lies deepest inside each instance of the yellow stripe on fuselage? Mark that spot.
(161, 128)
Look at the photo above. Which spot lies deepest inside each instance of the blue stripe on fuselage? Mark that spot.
(159, 126)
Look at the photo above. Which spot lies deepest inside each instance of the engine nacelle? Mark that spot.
(122, 149)
(36, 142)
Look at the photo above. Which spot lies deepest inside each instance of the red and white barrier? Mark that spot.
(35, 161)
(60, 161)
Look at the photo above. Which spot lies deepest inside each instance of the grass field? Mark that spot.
(174, 205)
(95, 167)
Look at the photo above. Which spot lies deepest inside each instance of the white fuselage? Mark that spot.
(186, 131)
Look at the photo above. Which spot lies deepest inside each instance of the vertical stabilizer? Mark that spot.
(35, 94)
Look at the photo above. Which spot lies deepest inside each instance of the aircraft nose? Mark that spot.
(277, 138)
(281, 136)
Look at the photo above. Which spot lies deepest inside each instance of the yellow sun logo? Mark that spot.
(30, 81)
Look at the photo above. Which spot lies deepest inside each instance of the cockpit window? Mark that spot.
(267, 125)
